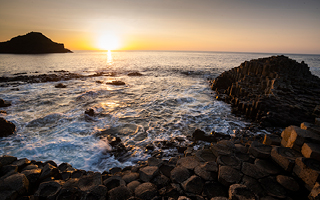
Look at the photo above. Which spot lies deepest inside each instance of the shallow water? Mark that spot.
(172, 98)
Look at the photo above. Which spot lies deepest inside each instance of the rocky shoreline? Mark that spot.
(274, 167)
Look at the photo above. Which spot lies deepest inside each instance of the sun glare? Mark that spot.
(108, 42)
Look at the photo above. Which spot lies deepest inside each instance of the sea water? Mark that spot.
(172, 98)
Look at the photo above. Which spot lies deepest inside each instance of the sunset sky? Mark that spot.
(272, 26)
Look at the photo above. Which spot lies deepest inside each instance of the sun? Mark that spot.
(108, 42)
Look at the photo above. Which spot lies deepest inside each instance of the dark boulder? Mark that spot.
(4, 103)
(116, 83)
(60, 85)
(135, 74)
(274, 91)
(89, 112)
(32, 43)
(6, 127)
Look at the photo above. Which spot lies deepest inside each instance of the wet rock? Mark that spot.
(253, 171)
(6, 159)
(241, 148)
(72, 193)
(146, 191)
(4, 103)
(285, 157)
(48, 190)
(16, 182)
(200, 135)
(221, 149)
(272, 187)
(152, 161)
(32, 175)
(179, 174)
(49, 171)
(315, 192)
(88, 182)
(130, 177)
(97, 193)
(119, 193)
(148, 173)
(135, 74)
(116, 83)
(165, 169)
(308, 170)
(21, 163)
(115, 141)
(6, 128)
(77, 173)
(29, 167)
(189, 162)
(207, 171)
(226, 160)
(66, 167)
(133, 185)
(228, 175)
(253, 184)
(89, 112)
(60, 85)
(160, 181)
(183, 198)
(219, 198)
(113, 182)
(270, 139)
(194, 184)
(238, 191)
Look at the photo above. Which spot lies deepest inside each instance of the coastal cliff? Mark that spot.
(275, 91)
(32, 43)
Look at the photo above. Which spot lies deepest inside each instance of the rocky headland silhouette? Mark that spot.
(32, 43)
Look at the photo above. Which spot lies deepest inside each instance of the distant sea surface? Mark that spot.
(172, 98)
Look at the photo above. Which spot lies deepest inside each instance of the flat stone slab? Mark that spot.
(228, 175)
(259, 150)
(308, 170)
(285, 157)
(294, 137)
(228, 160)
(311, 150)
(189, 162)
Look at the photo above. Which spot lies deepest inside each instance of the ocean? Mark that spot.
(171, 99)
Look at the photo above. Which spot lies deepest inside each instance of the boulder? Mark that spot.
(135, 74)
(160, 181)
(308, 170)
(270, 139)
(272, 187)
(259, 150)
(228, 175)
(16, 182)
(201, 135)
(148, 173)
(119, 193)
(194, 184)
(214, 189)
(4, 103)
(113, 182)
(6, 128)
(116, 83)
(98, 192)
(311, 150)
(21, 163)
(267, 166)
(49, 171)
(288, 182)
(133, 185)
(6, 159)
(88, 182)
(179, 174)
(48, 190)
(253, 184)
(315, 192)
(253, 171)
(239, 191)
(130, 177)
(226, 160)
(285, 157)
(89, 112)
(146, 191)
(189, 162)
(60, 85)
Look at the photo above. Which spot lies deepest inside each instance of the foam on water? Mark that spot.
(172, 99)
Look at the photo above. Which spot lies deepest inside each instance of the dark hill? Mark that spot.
(32, 43)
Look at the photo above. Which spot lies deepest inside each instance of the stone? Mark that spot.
(311, 150)
(115, 169)
(272, 187)
(253, 184)
(16, 182)
(270, 139)
(194, 184)
(220, 149)
(130, 177)
(48, 190)
(60, 85)
(77, 173)
(189, 162)
(310, 127)
(29, 167)
(113, 182)
(160, 181)
(21, 163)
(135, 74)
(294, 137)
(179, 174)
(267, 166)
(219, 198)
(241, 148)
(4, 103)
(253, 171)
(315, 192)
(285, 157)
(205, 155)
(239, 191)
(183, 198)
(259, 150)
(214, 189)
(89, 112)
(6, 128)
(119, 193)
(152, 161)
(66, 167)
(228, 175)
(133, 184)
(201, 135)
(165, 169)
(49, 171)
(288, 182)
(205, 174)
(8, 170)
(32, 175)
(72, 193)
(308, 170)
(244, 157)
(146, 191)
(226, 160)
(148, 173)
(88, 182)
(98, 192)
(116, 83)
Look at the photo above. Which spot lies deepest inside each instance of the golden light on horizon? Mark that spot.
(108, 42)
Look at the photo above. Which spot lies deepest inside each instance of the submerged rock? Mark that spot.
(116, 83)
(135, 74)
(60, 85)
(4, 103)
(6, 127)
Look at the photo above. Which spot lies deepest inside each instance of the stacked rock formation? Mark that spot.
(228, 169)
(274, 91)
